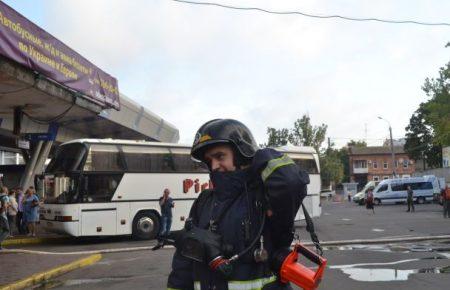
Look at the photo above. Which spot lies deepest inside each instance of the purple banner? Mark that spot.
(24, 42)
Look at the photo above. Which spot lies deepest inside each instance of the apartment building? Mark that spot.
(375, 163)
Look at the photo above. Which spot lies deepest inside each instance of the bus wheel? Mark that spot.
(420, 200)
(377, 201)
(145, 225)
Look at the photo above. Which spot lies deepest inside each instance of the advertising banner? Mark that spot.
(27, 44)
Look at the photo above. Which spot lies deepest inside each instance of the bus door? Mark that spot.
(99, 215)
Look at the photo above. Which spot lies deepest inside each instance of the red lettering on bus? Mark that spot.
(187, 184)
(197, 186)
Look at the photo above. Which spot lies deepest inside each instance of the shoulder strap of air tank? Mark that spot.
(311, 231)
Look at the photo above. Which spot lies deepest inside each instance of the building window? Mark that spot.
(386, 177)
(396, 163)
(385, 165)
(405, 163)
(376, 178)
(406, 176)
(360, 164)
(375, 164)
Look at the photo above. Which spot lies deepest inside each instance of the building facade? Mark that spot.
(375, 163)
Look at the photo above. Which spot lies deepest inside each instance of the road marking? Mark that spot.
(323, 243)
(372, 264)
(377, 230)
(47, 275)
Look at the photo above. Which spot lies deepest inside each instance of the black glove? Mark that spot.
(199, 245)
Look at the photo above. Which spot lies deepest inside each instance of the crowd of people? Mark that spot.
(18, 212)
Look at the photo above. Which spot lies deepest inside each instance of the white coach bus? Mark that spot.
(111, 187)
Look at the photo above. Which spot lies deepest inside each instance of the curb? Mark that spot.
(57, 271)
(33, 241)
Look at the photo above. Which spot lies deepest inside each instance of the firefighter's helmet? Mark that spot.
(226, 131)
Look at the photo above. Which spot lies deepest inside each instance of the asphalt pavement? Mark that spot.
(421, 265)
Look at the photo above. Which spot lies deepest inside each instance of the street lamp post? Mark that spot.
(392, 147)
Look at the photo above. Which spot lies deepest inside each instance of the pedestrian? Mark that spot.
(20, 224)
(30, 206)
(446, 201)
(410, 198)
(4, 226)
(370, 200)
(248, 214)
(12, 211)
(166, 203)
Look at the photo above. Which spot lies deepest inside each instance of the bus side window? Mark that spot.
(309, 165)
(100, 187)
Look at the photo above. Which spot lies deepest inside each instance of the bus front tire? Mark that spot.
(145, 225)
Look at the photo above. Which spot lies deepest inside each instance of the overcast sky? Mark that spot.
(190, 63)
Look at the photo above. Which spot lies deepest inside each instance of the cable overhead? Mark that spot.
(315, 16)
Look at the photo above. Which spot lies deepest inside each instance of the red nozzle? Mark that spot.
(300, 275)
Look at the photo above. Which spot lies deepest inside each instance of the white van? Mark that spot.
(394, 190)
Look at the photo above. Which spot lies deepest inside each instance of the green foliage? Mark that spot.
(277, 137)
(429, 126)
(437, 109)
(357, 143)
(343, 156)
(419, 139)
(332, 168)
(303, 134)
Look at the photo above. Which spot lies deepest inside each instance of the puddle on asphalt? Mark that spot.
(355, 272)
(381, 274)
(391, 248)
(377, 275)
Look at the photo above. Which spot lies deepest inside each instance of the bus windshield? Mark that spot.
(68, 158)
(60, 189)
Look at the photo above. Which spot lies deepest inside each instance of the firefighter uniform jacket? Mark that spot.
(272, 181)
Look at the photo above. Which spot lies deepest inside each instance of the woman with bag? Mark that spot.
(30, 207)
(369, 200)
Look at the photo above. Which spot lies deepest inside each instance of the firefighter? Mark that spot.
(235, 229)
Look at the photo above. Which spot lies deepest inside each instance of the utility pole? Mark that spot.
(392, 147)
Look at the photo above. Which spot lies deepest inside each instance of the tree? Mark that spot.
(429, 126)
(304, 134)
(419, 139)
(277, 137)
(437, 109)
(332, 169)
(357, 143)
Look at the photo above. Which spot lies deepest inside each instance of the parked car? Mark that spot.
(394, 190)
